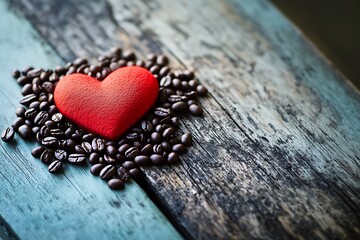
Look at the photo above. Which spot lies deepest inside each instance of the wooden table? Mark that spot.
(276, 156)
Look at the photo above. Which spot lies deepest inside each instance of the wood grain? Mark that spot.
(74, 205)
(276, 155)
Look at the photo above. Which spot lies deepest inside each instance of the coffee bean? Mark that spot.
(37, 151)
(44, 131)
(43, 106)
(25, 132)
(128, 55)
(15, 74)
(179, 148)
(8, 134)
(141, 160)
(162, 60)
(162, 112)
(17, 123)
(147, 126)
(60, 154)
(147, 149)
(111, 150)
(20, 112)
(98, 145)
(52, 110)
(132, 136)
(26, 100)
(107, 172)
(80, 61)
(179, 106)
(27, 89)
(175, 121)
(88, 137)
(55, 166)
(172, 158)
(155, 121)
(94, 158)
(123, 148)
(50, 142)
(70, 144)
(135, 172)
(132, 152)
(159, 128)
(129, 164)
(79, 149)
(176, 83)
(23, 80)
(156, 137)
(30, 113)
(34, 72)
(41, 118)
(86, 147)
(186, 139)
(46, 156)
(166, 146)
(123, 174)
(176, 98)
(35, 129)
(57, 117)
(56, 132)
(156, 159)
(158, 148)
(50, 124)
(109, 160)
(96, 169)
(201, 89)
(77, 158)
(195, 110)
(168, 132)
(116, 184)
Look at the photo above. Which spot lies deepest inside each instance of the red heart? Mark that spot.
(110, 107)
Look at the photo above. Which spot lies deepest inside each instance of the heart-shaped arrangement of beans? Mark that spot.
(154, 139)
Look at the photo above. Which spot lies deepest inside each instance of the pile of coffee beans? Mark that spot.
(154, 140)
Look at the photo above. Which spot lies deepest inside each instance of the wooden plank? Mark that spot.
(73, 205)
(277, 154)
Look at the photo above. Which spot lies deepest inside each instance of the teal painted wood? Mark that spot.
(74, 205)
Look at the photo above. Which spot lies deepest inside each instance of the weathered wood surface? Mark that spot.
(73, 205)
(276, 155)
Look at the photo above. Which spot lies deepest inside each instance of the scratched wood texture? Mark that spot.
(75, 205)
(276, 155)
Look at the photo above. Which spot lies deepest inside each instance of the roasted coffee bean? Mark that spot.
(43, 106)
(119, 158)
(55, 166)
(16, 74)
(29, 123)
(129, 164)
(162, 112)
(128, 55)
(179, 148)
(156, 159)
(69, 132)
(132, 136)
(159, 128)
(201, 90)
(176, 83)
(165, 120)
(88, 137)
(164, 70)
(111, 150)
(132, 152)
(172, 158)
(109, 160)
(27, 89)
(168, 132)
(147, 126)
(96, 169)
(77, 158)
(135, 172)
(123, 174)
(56, 132)
(18, 122)
(166, 105)
(20, 112)
(79, 149)
(147, 149)
(57, 117)
(86, 146)
(70, 144)
(8, 134)
(50, 124)
(115, 184)
(107, 172)
(98, 145)
(155, 137)
(195, 110)
(35, 129)
(123, 148)
(154, 69)
(26, 100)
(142, 160)
(34, 72)
(176, 98)
(179, 106)
(166, 146)
(25, 132)
(41, 118)
(27, 69)
(80, 61)
(30, 113)
(23, 80)
(36, 88)
(193, 84)
(165, 81)
(155, 121)
(175, 121)
(158, 148)
(46, 156)
(186, 139)
(44, 131)
(52, 110)
(60, 154)
(94, 158)
(50, 142)
(191, 102)
(37, 151)
(162, 60)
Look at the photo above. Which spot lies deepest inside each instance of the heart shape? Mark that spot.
(110, 107)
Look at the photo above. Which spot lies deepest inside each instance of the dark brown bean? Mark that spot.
(129, 164)
(20, 112)
(147, 149)
(147, 126)
(96, 169)
(179, 148)
(98, 145)
(141, 160)
(94, 158)
(37, 151)
(155, 137)
(162, 112)
(41, 118)
(123, 174)
(25, 132)
(77, 158)
(132, 152)
(179, 106)
(169, 132)
(195, 110)
(26, 100)
(55, 166)
(123, 148)
(172, 158)
(8, 134)
(50, 142)
(186, 139)
(57, 117)
(46, 156)
(116, 184)
(156, 159)
(60, 154)
(107, 172)
(135, 172)
(201, 89)
(109, 160)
